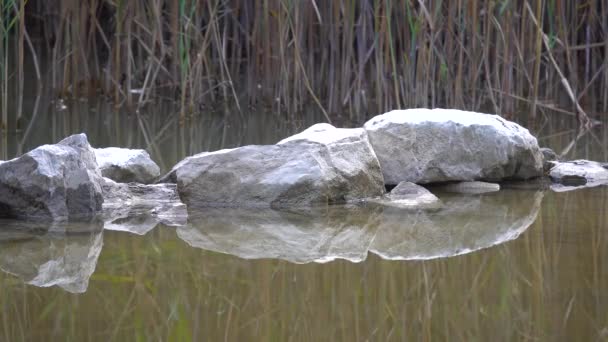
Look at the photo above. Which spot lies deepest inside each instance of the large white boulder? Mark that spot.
(318, 166)
(439, 145)
(52, 182)
(125, 165)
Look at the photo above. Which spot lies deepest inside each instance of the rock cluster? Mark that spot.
(461, 151)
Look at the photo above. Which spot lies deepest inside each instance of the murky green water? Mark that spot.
(512, 265)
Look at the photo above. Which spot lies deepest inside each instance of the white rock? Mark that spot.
(126, 165)
(407, 195)
(439, 145)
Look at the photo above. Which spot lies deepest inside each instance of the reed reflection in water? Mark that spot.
(547, 284)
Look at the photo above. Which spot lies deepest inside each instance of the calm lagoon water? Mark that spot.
(520, 264)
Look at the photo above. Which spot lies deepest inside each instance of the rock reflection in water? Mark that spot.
(466, 223)
(319, 235)
(138, 208)
(52, 258)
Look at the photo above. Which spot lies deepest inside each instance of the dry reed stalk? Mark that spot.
(348, 59)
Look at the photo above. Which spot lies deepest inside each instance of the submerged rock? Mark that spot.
(52, 182)
(126, 165)
(407, 195)
(474, 187)
(139, 208)
(440, 145)
(55, 259)
(578, 174)
(318, 166)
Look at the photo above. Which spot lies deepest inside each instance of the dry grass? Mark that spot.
(349, 59)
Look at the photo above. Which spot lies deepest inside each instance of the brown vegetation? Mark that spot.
(348, 58)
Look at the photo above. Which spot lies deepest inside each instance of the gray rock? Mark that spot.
(139, 208)
(320, 165)
(549, 157)
(54, 259)
(407, 195)
(474, 187)
(52, 182)
(576, 174)
(125, 165)
(440, 145)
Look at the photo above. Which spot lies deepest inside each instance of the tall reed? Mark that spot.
(348, 59)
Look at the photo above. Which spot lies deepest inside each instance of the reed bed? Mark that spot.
(349, 59)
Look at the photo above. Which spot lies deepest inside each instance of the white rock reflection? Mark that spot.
(299, 237)
(54, 258)
(138, 208)
(465, 224)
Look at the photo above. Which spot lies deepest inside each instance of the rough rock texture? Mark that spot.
(439, 145)
(577, 174)
(125, 165)
(407, 195)
(52, 182)
(549, 156)
(474, 187)
(318, 166)
(54, 259)
(139, 208)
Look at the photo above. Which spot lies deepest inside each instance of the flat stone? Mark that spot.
(474, 187)
(125, 165)
(407, 195)
(52, 182)
(441, 145)
(577, 174)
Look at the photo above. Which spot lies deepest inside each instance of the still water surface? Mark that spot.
(513, 265)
